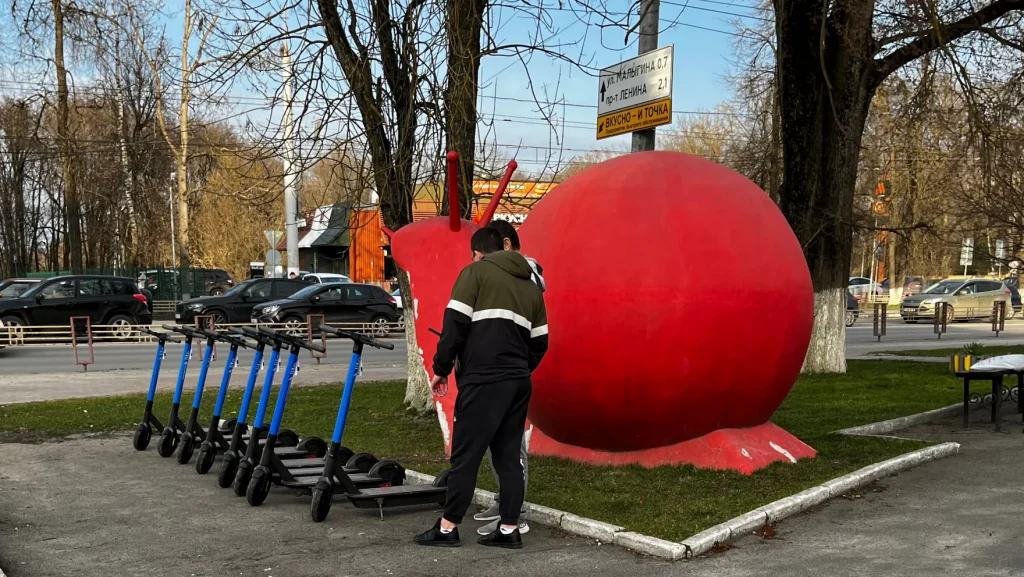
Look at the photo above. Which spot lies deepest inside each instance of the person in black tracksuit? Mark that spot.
(495, 326)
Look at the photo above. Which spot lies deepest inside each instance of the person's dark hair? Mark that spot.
(486, 240)
(506, 230)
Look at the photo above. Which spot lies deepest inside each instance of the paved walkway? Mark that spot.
(62, 513)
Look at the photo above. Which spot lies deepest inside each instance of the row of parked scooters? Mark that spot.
(255, 458)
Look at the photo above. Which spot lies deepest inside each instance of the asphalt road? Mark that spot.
(860, 340)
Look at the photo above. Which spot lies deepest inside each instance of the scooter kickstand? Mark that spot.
(380, 505)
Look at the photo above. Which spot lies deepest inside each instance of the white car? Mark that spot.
(861, 287)
(325, 277)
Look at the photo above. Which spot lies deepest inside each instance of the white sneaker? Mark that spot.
(489, 514)
(493, 526)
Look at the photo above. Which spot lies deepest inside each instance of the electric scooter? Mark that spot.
(169, 435)
(380, 497)
(273, 470)
(215, 440)
(193, 431)
(149, 422)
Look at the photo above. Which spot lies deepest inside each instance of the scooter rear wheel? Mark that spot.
(141, 439)
(361, 462)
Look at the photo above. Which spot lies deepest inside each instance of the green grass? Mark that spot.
(984, 350)
(668, 502)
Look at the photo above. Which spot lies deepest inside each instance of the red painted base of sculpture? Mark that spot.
(741, 450)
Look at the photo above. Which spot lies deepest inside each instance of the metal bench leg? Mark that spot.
(997, 401)
(967, 399)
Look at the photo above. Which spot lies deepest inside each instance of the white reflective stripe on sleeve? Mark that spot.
(460, 307)
(539, 331)
(502, 314)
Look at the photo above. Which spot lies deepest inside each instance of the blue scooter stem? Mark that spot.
(186, 352)
(250, 385)
(156, 371)
(204, 368)
(268, 382)
(225, 381)
(282, 396)
(346, 398)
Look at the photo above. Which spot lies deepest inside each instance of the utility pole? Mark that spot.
(291, 198)
(649, 9)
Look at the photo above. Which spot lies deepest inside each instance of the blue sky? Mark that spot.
(704, 48)
(702, 31)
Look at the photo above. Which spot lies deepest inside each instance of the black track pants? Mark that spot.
(489, 416)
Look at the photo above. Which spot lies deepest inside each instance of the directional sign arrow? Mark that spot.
(602, 90)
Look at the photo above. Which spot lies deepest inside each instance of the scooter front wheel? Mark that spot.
(168, 442)
(259, 486)
(185, 448)
(205, 459)
(227, 473)
(321, 506)
(141, 439)
(242, 477)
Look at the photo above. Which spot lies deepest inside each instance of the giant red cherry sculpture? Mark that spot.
(679, 304)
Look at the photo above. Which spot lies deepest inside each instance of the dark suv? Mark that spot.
(235, 306)
(215, 281)
(106, 300)
(340, 303)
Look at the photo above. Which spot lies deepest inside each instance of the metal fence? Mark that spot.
(83, 333)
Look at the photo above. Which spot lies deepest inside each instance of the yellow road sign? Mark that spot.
(637, 118)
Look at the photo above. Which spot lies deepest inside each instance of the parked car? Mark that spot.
(324, 277)
(215, 281)
(340, 303)
(235, 306)
(967, 298)
(106, 300)
(14, 287)
(862, 288)
(912, 285)
(852, 309)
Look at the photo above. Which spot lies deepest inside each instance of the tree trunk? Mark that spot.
(73, 210)
(183, 253)
(417, 387)
(822, 120)
(463, 22)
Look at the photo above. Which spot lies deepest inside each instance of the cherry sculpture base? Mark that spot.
(741, 450)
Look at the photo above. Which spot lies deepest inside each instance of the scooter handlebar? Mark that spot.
(231, 339)
(160, 336)
(359, 337)
(289, 339)
(187, 331)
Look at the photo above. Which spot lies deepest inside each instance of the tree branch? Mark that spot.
(934, 38)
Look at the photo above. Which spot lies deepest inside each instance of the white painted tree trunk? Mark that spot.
(417, 388)
(827, 351)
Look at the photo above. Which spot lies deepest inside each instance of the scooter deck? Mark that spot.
(377, 497)
(308, 480)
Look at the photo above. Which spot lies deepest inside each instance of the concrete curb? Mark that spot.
(722, 533)
(883, 427)
(719, 534)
